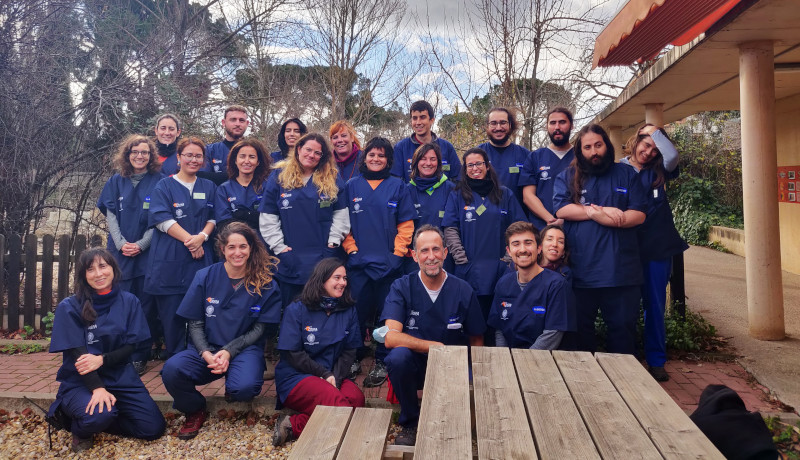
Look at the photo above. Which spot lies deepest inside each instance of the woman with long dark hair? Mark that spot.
(476, 216)
(238, 198)
(655, 159)
(303, 213)
(226, 307)
(182, 211)
(125, 201)
(318, 342)
(382, 224)
(97, 330)
(555, 252)
(291, 132)
(168, 132)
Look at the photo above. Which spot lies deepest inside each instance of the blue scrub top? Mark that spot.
(277, 156)
(508, 163)
(228, 313)
(603, 256)
(404, 151)
(523, 314)
(540, 170)
(232, 196)
(306, 219)
(349, 169)
(169, 166)
(429, 197)
(130, 206)
(451, 320)
(172, 268)
(374, 215)
(658, 237)
(217, 156)
(323, 337)
(120, 322)
(482, 235)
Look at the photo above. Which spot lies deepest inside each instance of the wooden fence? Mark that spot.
(19, 265)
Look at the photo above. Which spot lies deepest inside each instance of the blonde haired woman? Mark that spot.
(304, 215)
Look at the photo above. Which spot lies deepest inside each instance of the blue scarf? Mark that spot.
(428, 184)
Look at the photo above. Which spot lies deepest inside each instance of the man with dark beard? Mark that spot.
(531, 307)
(506, 157)
(425, 309)
(543, 165)
(602, 203)
(234, 124)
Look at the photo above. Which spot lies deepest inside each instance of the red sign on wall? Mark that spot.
(789, 184)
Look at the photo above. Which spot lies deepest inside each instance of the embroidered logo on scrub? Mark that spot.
(90, 335)
(311, 339)
(210, 307)
(357, 206)
(539, 310)
(504, 313)
(468, 216)
(412, 322)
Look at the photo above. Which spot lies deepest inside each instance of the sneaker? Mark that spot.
(376, 376)
(355, 369)
(140, 366)
(81, 444)
(283, 431)
(192, 425)
(269, 370)
(406, 437)
(658, 373)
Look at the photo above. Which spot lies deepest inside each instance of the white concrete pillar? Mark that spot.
(615, 134)
(654, 113)
(760, 184)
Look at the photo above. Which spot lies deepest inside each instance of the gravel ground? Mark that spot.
(225, 435)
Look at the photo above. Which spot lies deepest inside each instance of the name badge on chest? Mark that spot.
(199, 196)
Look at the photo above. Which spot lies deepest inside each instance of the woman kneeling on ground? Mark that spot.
(226, 307)
(318, 341)
(98, 329)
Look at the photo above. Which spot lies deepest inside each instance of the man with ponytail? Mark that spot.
(602, 203)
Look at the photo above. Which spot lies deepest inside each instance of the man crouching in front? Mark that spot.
(425, 309)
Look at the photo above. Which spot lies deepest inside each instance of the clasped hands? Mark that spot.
(218, 362)
(606, 215)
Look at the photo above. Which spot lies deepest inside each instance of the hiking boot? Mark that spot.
(192, 425)
(283, 431)
(140, 366)
(81, 444)
(376, 376)
(269, 370)
(658, 373)
(355, 369)
(406, 437)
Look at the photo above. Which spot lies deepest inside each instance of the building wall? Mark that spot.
(788, 137)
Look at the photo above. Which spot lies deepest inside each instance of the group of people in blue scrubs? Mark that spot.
(320, 238)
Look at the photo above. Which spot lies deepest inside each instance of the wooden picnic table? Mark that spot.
(523, 404)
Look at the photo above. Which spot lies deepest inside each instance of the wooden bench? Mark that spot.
(500, 420)
(671, 430)
(445, 428)
(341, 433)
(554, 418)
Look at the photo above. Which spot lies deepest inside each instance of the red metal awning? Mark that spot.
(642, 28)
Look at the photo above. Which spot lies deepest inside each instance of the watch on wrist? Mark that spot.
(205, 235)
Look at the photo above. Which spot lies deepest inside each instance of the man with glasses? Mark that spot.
(234, 125)
(543, 165)
(506, 157)
(422, 119)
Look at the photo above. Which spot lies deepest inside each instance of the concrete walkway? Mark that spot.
(716, 288)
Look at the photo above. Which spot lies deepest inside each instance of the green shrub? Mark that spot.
(695, 209)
